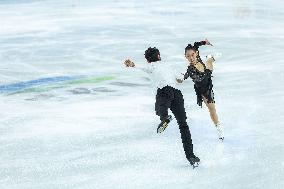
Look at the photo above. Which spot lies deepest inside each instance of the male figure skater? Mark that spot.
(168, 97)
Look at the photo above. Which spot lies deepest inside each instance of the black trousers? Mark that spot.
(171, 98)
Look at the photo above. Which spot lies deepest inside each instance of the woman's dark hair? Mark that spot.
(152, 54)
(195, 48)
(190, 47)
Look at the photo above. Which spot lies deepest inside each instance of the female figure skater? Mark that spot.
(201, 76)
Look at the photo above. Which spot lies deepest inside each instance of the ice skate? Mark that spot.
(164, 124)
(220, 131)
(194, 161)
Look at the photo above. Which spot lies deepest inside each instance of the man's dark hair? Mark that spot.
(152, 54)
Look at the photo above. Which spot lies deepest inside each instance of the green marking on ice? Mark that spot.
(92, 80)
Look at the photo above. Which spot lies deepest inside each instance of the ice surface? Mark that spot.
(96, 129)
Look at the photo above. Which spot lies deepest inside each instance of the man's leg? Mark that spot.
(177, 107)
(163, 102)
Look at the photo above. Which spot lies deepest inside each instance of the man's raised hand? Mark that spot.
(129, 63)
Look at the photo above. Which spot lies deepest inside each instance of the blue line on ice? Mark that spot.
(26, 84)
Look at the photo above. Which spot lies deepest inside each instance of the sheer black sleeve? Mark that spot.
(198, 44)
(194, 74)
(190, 72)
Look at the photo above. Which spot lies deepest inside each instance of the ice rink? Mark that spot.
(72, 116)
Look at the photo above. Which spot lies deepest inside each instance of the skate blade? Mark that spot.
(162, 128)
(195, 165)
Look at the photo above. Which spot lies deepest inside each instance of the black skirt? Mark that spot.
(204, 90)
(202, 84)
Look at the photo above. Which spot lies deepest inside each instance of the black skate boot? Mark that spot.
(163, 125)
(194, 161)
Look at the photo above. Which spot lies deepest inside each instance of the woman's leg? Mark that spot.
(214, 117)
(212, 110)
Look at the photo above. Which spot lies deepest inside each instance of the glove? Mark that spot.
(129, 63)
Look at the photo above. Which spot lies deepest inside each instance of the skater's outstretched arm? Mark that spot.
(189, 73)
(200, 43)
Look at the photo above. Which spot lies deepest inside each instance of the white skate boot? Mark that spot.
(220, 131)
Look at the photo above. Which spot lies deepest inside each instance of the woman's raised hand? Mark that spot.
(207, 42)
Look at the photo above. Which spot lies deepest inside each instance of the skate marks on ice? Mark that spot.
(233, 151)
(80, 91)
(126, 84)
(40, 97)
(215, 155)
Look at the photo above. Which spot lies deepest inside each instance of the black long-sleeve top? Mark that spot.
(198, 77)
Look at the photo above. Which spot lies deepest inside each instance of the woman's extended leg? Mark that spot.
(214, 117)
(212, 110)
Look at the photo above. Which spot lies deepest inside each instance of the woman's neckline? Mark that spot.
(198, 69)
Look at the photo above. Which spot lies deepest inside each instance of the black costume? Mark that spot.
(171, 98)
(202, 80)
(202, 83)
